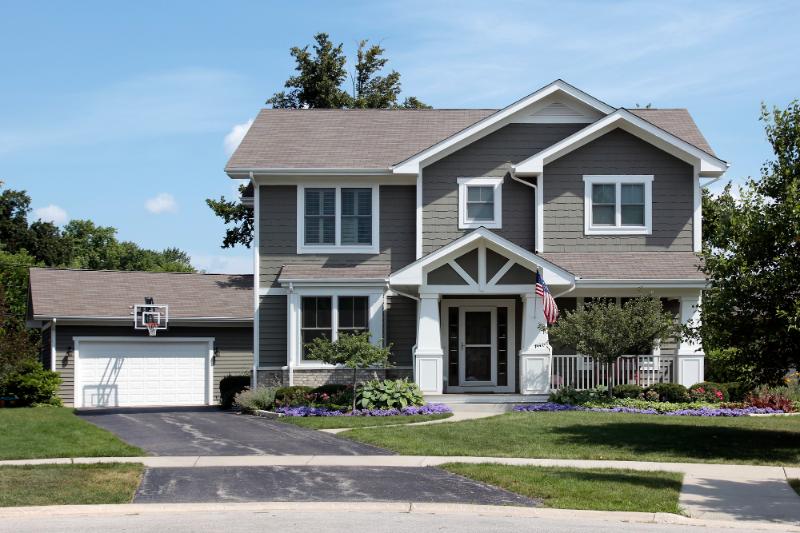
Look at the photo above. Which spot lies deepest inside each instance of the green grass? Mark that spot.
(68, 484)
(591, 435)
(331, 422)
(795, 483)
(598, 489)
(40, 432)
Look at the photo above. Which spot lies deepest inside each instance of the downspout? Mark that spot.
(513, 174)
(291, 359)
(560, 294)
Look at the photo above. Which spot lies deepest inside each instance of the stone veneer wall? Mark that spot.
(317, 377)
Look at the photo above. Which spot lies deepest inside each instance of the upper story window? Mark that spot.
(341, 219)
(618, 205)
(480, 203)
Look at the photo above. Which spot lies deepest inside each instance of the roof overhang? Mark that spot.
(496, 121)
(641, 283)
(709, 165)
(414, 274)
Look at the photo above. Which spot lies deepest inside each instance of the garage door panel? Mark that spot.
(115, 373)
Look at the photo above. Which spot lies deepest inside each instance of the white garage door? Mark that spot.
(114, 373)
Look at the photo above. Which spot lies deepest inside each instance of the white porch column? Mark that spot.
(536, 354)
(429, 356)
(691, 359)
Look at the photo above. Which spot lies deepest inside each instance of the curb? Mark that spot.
(387, 507)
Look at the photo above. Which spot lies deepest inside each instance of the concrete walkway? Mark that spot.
(710, 491)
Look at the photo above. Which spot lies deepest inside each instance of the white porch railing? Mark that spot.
(582, 372)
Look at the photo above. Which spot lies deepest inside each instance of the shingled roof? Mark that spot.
(379, 138)
(629, 265)
(108, 294)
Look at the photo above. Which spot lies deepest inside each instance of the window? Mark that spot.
(618, 205)
(353, 314)
(480, 202)
(337, 219)
(317, 319)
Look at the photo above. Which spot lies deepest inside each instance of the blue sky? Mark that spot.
(119, 112)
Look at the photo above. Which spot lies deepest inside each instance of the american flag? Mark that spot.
(549, 303)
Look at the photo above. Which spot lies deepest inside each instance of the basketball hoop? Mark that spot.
(152, 327)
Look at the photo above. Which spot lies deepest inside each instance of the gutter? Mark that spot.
(513, 173)
(249, 172)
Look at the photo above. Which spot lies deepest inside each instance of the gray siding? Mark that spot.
(278, 231)
(235, 345)
(618, 152)
(488, 156)
(401, 328)
(272, 314)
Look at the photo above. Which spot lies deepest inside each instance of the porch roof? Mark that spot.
(629, 266)
(338, 273)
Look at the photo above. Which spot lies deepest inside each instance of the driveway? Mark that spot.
(317, 484)
(211, 431)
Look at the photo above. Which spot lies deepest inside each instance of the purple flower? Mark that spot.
(428, 409)
(704, 411)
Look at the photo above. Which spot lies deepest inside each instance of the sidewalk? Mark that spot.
(710, 491)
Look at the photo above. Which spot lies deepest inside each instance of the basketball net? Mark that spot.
(152, 327)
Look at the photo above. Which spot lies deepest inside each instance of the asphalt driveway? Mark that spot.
(308, 484)
(211, 431)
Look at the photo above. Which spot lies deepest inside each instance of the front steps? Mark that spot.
(486, 403)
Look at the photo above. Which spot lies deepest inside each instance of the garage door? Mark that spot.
(141, 372)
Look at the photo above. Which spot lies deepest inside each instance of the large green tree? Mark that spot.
(751, 313)
(322, 81)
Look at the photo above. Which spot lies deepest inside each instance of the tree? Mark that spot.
(352, 351)
(751, 313)
(320, 84)
(606, 331)
(16, 345)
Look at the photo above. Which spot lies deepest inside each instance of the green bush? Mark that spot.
(708, 391)
(670, 392)
(572, 396)
(333, 396)
(292, 396)
(260, 398)
(661, 407)
(32, 384)
(737, 391)
(331, 388)
(630, 390)
(229, 387)
(388, 394)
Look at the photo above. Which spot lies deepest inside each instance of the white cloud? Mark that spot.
(235, 136)
(161, 203)
(51, 213)
(223, 264)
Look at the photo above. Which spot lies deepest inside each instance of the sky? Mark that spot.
(126, 112)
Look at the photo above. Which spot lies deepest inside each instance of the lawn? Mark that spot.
(590, 435)
(598, 489)
(68, 484)
(40, 432)
(330, 422)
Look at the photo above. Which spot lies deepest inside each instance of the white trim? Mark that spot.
(337, 247)
(497, 219)
(641, 283)
(76, 341)
(710, 166)
(697, 214)
(334, 282)
(418, 214)
(462, 347)
(617, 180)
(295, 319)
(494, 122)
(539, 206)
(256, 280)
(239, 173)
(53, 352)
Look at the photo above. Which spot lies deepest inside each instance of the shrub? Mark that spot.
(772, 398)
(630, 390)
(336, 397)
(330, 388)
(388, 394)
(32, 384)
(708, 391)
(229, 387)
(260, 398)
(571, 396)
(737, 391)
(670, 392)
(291, 396)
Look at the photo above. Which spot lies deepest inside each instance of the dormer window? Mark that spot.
(339, 219)
(618, 205)
(480, 203)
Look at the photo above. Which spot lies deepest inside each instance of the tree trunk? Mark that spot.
(355, 376)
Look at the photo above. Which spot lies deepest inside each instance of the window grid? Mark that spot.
(356, 216)
(480, 203)
(618, 204)
(353, 314)
(316, 319)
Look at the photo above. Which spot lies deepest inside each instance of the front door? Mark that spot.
(478, 346)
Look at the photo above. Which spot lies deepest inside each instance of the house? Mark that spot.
(90, 337)
(427, 229)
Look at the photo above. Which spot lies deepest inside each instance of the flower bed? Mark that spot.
(695, 411)
(427, 409)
